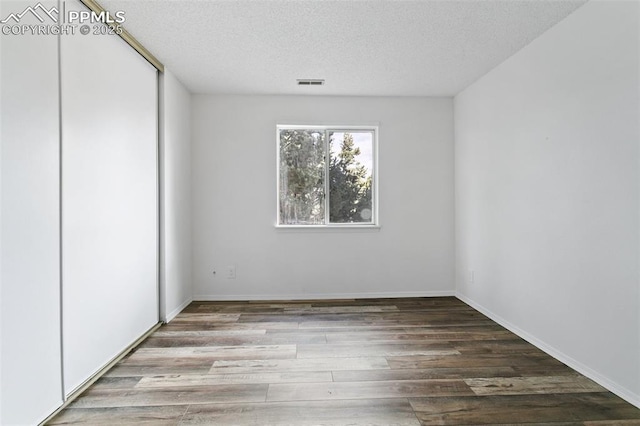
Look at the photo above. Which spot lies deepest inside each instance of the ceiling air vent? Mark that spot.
(310, 82)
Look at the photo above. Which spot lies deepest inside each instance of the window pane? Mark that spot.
(302, 170)
(350, 177)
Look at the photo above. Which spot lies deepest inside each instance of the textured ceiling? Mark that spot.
(406, 48)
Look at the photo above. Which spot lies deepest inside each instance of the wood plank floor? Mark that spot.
(429, 361)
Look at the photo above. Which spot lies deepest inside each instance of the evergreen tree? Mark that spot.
(349, 185)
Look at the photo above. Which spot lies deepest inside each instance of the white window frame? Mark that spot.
(375, 223)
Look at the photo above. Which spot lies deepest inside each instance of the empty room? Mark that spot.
(306, 212)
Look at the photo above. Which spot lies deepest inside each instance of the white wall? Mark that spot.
(30, 294)
(175, 196)
(1, 291)
(1, 226)
(234, 202)
(547, 193)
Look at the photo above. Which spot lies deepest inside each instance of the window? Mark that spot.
(326, 176)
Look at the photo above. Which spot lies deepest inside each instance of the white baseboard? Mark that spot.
(171, 315)
(322, 296)
(603, 381)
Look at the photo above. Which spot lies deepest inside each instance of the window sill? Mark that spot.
(328, 228)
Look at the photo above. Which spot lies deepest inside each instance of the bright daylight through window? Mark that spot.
(326, 176)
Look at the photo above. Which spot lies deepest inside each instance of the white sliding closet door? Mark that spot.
(109, 200)
(29, 223)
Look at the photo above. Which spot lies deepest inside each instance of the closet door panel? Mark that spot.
(30, 385)
(109, 201)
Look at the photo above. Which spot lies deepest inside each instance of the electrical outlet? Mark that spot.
(231, 272)
(472, 276)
